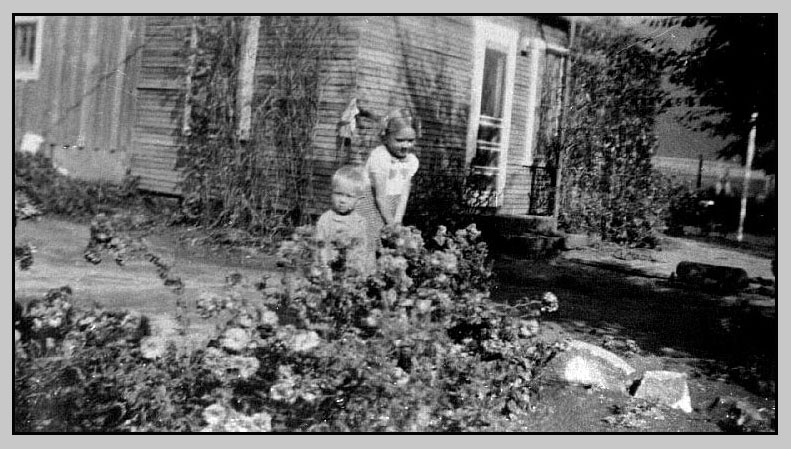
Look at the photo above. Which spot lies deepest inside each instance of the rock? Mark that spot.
(575, 241)
(590, 365)
(712, 277)
(666, 387)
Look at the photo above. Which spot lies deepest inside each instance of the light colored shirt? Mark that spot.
(349, 229)
(399, 172)
(334, 227)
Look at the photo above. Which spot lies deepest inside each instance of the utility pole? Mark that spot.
(747, 169)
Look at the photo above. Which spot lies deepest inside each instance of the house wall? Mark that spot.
(160, 94)
(424, 63)
(83, 102)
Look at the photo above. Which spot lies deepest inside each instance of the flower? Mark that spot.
(220, 419)
(269, 318)
(549, 302)
(235, 339)
(245, 366)
(214, 414)
(304, 341)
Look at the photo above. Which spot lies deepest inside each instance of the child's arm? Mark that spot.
(402, 202)
(379, 182)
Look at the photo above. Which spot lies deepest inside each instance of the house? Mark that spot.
(108, 95)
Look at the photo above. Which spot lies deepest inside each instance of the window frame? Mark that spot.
(503, 38)
(537, 48)
(33, 72)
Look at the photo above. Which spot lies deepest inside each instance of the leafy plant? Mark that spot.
(40, 188)
(262, 185)
(608, 184)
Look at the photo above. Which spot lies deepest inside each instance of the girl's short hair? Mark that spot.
(352, 175)
(398, 119)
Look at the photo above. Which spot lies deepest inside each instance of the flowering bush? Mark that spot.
(414, 346)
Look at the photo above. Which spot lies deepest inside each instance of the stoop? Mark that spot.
(524, 236)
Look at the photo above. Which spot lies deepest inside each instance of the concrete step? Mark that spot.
(531, 246)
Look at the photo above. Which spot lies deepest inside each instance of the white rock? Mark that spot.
(590, 365)
(666, 387)
(602, 353)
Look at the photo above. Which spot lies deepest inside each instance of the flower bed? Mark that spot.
(415, 346)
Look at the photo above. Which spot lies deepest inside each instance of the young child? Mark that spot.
(390, 168)
(342, 226)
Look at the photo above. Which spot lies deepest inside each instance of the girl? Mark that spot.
(390, 168)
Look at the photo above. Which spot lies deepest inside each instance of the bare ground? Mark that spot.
(727, 344)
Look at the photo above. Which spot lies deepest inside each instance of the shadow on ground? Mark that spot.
(718, 334)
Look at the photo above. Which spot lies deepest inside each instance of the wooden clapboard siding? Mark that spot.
(423, 63)
(161, 93)
(84, 94)
(338, 81)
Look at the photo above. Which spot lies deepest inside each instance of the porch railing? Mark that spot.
(542, 194)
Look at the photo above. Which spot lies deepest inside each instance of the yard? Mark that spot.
(727, 345)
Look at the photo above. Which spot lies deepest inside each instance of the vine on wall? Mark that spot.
(609, 186)
(262, 185)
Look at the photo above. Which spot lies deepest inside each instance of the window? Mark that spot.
(545, 96)
(27, 46)
(490, 112)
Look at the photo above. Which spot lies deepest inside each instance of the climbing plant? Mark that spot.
(609, 186)
(263, 184)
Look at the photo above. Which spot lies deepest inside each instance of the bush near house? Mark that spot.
(41, 188)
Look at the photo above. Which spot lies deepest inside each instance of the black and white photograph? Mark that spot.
(412, 224)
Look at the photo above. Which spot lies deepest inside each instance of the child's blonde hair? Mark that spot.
(397, 120)
(351, 175)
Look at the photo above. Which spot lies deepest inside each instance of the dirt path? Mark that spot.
(58, 261)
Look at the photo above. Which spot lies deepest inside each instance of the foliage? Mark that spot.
(83, 370)
(44, 190)
(704, 209)
(414, 346)
(608, 184)
(262, 185)
(724, 96)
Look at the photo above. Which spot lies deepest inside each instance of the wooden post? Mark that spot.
(246, 84)
(186, 130)
(747, 169)
(699, 182)
(561, 132)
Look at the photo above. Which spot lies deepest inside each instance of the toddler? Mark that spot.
(342, 227)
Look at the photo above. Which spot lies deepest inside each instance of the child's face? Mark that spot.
(400, 142)
(344, 198)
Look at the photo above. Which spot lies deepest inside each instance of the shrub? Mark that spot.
(40, 188)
